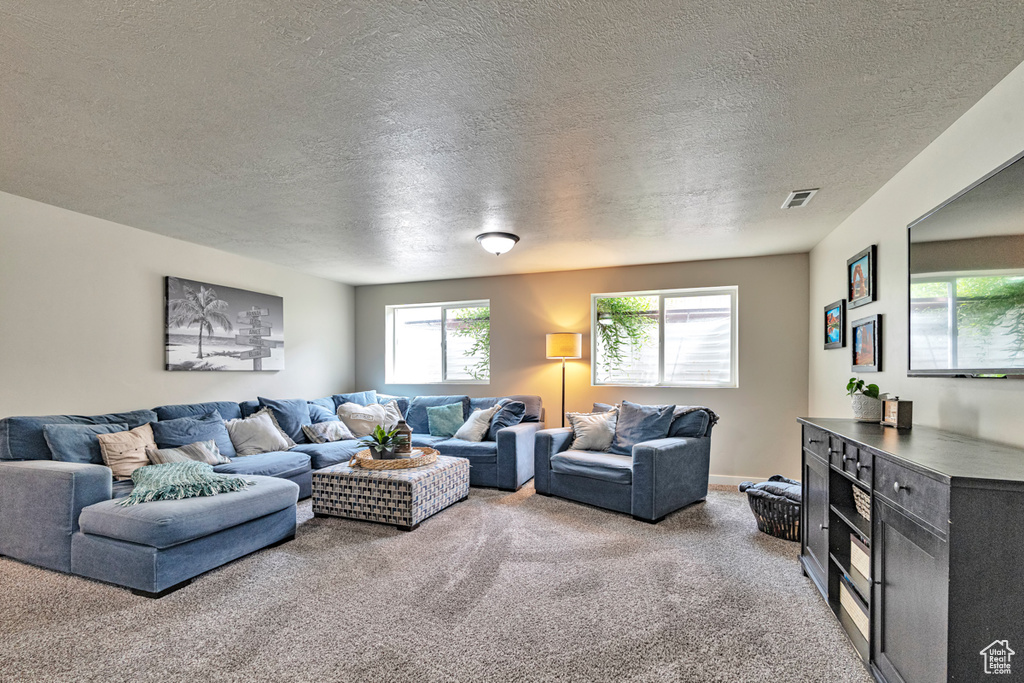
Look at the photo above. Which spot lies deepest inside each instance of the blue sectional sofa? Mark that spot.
(64, 516)
(659, 477)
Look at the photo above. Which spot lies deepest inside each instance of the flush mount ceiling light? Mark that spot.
(497, 243)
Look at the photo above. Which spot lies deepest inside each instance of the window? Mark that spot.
(434, 343)
(680, 338)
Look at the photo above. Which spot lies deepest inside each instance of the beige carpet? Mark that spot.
(502, 587)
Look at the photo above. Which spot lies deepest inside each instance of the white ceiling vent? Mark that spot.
(799, 198)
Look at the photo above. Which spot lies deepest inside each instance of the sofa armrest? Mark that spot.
(40, 501)
(515, 454)
(668, 474)
(548, 442)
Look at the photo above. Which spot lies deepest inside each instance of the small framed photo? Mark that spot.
(867, 344)
(835, 325)
(860, 278)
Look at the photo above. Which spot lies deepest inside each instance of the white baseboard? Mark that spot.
(726, 480)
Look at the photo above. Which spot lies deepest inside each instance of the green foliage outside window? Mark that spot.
(475, 323)
(624, 325)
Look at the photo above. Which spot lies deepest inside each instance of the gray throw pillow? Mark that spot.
(258, 433)
(639, 423)
(592, 431)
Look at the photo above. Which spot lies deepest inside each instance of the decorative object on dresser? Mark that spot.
(835, 325)
(564, 346)
(926, 582)
(776, 506)
(860, 278)
(867, 344)
(897, 413)
(196, 310)
(867, 405)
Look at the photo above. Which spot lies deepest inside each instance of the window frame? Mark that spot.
(389, 340)
(734, 351)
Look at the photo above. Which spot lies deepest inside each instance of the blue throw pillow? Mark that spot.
(78, 443)
(185, 430)
(363, 398)
(638, 423)
(445, 420)
(291, 414)
(689, 424)
(510, 413)
(403, 402)
(318, 414)
(248, 409)
(416, 418)
(22, 438)
(228, 410)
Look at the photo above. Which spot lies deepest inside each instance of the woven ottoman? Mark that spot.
(403, 498)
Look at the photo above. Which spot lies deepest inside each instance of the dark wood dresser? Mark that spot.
(931, 587)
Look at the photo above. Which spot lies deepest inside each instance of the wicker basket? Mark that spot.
(420, 458)
(775, 515)
(863, 502)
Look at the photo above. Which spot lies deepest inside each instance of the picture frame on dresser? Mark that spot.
(866, 345)
(835, 325)
(861, 282)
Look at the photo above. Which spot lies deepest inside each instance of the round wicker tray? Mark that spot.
(420, 458)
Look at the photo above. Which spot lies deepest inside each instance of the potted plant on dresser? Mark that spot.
(867, 406)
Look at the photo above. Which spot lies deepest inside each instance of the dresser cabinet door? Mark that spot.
(814, 525)
(910, 600)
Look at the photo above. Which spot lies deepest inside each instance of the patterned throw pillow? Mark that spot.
(592, 431)
(475, 428)
(445, 420)
(125, 452)
(326, 432)
(200, 451)
(258, 433)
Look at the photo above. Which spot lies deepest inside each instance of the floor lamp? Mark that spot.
(564, 345)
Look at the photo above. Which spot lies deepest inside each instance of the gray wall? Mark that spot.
(81, 312)
(985, 137)
(757, 436)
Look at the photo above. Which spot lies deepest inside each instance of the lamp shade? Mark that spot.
(565, 345)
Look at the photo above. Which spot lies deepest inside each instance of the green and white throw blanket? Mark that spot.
(179, 480)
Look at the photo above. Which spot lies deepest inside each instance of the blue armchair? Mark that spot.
(660, 477)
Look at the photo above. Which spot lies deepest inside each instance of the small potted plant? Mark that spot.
(383, 443)
(867, 406)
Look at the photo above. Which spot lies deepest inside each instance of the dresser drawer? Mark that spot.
(817, 441)
(925, 498)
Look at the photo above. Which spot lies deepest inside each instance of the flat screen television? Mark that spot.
(967, 281)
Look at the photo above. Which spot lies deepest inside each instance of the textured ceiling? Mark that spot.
(370, 141)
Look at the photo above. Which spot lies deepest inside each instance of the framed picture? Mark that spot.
(213, 327)
(835, 325)
(867, 344)
(860, 278)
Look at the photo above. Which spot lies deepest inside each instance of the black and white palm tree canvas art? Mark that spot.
(212, 327)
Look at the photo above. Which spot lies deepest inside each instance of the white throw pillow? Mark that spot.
(393, 415)
(326, 432)
(592, 431)
(258, 433)
(475, 428)
(362, 420)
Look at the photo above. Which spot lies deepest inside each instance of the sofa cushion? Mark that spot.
(318, 412)
(291, 414)
(690, 421)
(403, 402)
(509, 414)
(166, 523)
(605, 466)
(323, 455)
(534, 406)
(484, 403)
(185, 430)
(22, 438)
(276, 464)
(637, 423)
(363, 398)
(481, 452)
(249, 407)
(78, 443)
(228, 410)
(426, 440)
(416, 418)
(445, 420)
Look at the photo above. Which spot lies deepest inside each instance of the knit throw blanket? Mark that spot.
(180, 480)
